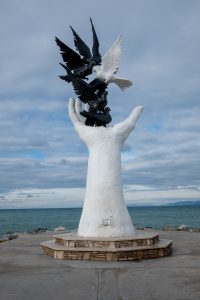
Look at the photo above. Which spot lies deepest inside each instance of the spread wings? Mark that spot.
(70, 57)
(80, 45)
(95, 48)
(111, 59)
(84, 50)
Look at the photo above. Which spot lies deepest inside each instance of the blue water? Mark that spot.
(21, 220)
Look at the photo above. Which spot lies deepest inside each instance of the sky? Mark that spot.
(43, 163)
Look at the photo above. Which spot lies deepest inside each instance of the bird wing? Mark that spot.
(64, 77)
(81, 88)
(111, 59)
(70, 57)
(80, 45)
(95, 48)
(97, 84)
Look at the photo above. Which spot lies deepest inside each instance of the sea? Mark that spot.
(26, 220)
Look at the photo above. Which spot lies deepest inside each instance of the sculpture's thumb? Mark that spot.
(72, 112)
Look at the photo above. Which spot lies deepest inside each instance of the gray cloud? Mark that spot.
(160, 53)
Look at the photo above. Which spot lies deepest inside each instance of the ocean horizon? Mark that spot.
(157, 217)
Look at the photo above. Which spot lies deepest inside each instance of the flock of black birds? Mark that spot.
(78, 66)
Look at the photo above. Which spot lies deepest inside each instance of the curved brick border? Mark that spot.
(144, 246)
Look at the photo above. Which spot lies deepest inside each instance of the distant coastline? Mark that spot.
(183, 203)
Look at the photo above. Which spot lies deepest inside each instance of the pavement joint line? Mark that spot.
(98, 284)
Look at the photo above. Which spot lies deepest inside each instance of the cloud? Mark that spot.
(43, 198)
(160, 53)
(161, 197)
(74, 197)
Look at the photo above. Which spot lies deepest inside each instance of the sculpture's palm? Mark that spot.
(104, 195)
(91, 135)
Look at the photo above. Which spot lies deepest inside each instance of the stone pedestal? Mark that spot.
(143, 245)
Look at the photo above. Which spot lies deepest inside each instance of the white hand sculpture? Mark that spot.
(104, 212)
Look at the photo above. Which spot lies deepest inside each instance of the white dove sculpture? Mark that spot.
(109, 66)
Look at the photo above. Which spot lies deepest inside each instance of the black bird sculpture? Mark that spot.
(97, 118)
(72, 59)
(81, 66)
(91, 59)
(86, 93)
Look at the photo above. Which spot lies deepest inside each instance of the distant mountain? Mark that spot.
(185, 203)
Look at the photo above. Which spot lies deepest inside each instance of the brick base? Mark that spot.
(73, 247)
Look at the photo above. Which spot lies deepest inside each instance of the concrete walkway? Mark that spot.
(26, 274)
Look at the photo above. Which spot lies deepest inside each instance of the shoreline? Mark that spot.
(15, 235)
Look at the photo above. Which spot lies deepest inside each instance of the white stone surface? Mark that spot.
(109, 66)
(104, 212)
(60, 228)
